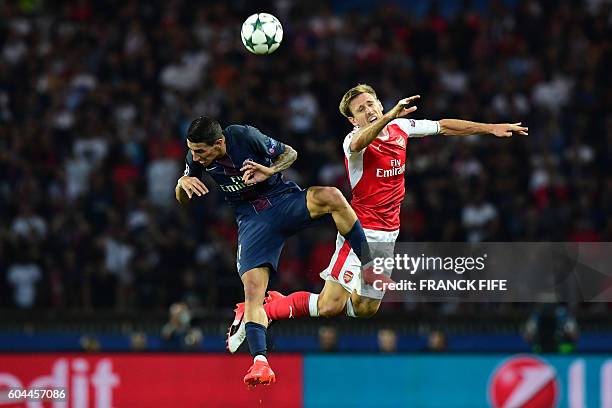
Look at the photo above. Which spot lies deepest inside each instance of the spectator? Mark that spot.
(387, 341)
(328, 339)
(479, 219)
(436, 341)
(552, 329)
(90, 344)
(29, 225)
(24, 276)
(178, 334)
(138, 341)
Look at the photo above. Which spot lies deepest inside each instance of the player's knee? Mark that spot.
(334, 199)
(331, 308)
(253, 289)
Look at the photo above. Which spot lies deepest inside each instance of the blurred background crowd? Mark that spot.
(95, 99)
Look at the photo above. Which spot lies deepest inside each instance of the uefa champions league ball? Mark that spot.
(261, 33)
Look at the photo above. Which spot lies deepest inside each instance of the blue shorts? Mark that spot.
(261, 237)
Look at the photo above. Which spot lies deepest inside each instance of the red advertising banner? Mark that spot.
(148, 380)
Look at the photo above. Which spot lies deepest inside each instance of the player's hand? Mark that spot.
(403, 107)
(508, 129)
(255, 172)
(192, 185)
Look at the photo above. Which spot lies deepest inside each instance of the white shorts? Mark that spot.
(345, 268)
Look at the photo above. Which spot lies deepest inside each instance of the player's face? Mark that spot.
(204, 153)
(365, 109)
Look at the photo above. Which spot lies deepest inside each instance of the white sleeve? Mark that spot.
(346, 145)
(418, 128)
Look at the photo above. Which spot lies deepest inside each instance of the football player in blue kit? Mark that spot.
(247, 166)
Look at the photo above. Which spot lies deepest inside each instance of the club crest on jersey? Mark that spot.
(348, 276)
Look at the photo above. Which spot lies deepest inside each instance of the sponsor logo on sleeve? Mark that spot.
(272, 146)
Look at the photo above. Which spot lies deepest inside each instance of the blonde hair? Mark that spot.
(352, 94)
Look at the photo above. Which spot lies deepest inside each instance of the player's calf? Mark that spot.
(363, 307)
(329, 200)
(293, 306)
(331, 309)
(332, 300)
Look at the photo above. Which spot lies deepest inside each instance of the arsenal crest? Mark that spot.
(348, 276)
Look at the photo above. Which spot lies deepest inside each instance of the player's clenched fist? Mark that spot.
(403, 107)
(191, 186)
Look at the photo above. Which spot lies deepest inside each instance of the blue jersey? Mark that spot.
(245, 143)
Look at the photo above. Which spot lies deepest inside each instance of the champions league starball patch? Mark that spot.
(272, 146)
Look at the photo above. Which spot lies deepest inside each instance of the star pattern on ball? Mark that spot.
(257, 25)
(270, 41)
(262, 35)
(249, 43)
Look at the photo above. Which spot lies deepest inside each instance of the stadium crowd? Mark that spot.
(95, 98)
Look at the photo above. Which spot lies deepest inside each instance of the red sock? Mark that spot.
(290, 307)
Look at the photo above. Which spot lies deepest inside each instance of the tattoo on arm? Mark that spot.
(285, 160)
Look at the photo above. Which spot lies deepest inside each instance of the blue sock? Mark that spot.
(256, 337)
(357, 240)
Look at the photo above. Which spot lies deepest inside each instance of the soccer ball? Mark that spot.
(262, 33)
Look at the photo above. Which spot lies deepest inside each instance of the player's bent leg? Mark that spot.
(292, 306)
(255, 282)
(332, 299)
(364, 306)
(329, 200)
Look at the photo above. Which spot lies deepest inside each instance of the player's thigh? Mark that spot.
(332, 299)
(255, 282)
(259, 244)
(324, 200)
(291, 215)
(364, 306)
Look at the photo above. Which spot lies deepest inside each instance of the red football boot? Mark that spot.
(272, 296)
(259, 373)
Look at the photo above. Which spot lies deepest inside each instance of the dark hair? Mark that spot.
(204, 130)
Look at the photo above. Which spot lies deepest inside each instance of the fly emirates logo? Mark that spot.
(237, 185)
(397, 168)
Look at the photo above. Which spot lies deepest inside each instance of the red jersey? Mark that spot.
(376, 173)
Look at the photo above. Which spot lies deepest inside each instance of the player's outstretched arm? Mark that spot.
(187, 186)
(458, 127)
(256, 173)
(366, 134)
